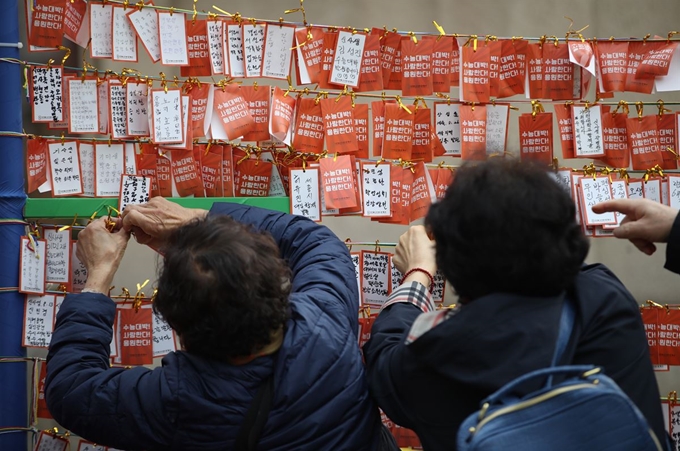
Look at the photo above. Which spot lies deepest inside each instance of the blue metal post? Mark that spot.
(13, 393)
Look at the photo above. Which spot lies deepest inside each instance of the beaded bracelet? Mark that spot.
(424, 271)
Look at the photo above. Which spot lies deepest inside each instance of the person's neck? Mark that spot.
(273, 346)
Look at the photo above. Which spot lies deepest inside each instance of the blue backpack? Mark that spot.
(586, 410)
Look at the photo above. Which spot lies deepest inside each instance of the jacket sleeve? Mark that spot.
(673, 247)
(129, 409)
(321, 265)
(387, 354)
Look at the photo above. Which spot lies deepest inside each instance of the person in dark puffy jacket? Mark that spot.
(251, 293)
(506, 238)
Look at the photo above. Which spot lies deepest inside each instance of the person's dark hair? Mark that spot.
(223, 288)
(506, 226)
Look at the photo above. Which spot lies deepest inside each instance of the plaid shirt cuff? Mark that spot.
(413, 293)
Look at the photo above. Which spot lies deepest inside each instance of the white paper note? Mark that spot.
(166, 108)
(375, 278)
(163, 337)
(496, 128)
(652, 190)
(109, 165)
(376, 190)
(65, 168)
(130, 158)
(674, 191)
(58, 255)
(118, 109)
(233, 48)
(304, 190)
(172, 36)
(349, 52)
(86, 153)
(145, 24)
(32, 269)
(46, 94)
(135, 189)
(103, 105)
(588, 131)
(38, 321)
(253, 47)
(124, 45)
(277, 51)
(101, 26)
(83, 110)
(216, 45)
(593, 192)
(447, 126)
(137, 96)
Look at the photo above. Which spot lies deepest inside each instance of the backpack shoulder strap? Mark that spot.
(253, 424)
(566, 327)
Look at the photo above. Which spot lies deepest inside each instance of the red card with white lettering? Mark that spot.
(198, 151)
(136, 342)
(254, 178)
(199, 51)
(47, 21)
(558, 72)
(422, 135)
(199, 104)
(474, 86)
(281, 116)
(643, 140)
(211, 171)
(536, 137)
(401, 179)
(534, 70)
(146, 166)
(338, 182)
(73, 19)
(398, 139)
(494, 66)
(636, 54)
(668, 136)
(36, 163)
(615, 140)
(330, 40)
(309, 131)
(473, 132)
(455, 64)
(656, 62)
(416, 66)
(164, 175)
(257, 98)
(511, 71)
(371, 78)
(422, 192)
(378, 113)
(339, 125)
(310, 42)
(396, 75)
(233, 111)
(443, 180)
(227, 171)
(389, 44)
(565, 128)
(361, 129)
(441, 63)
(612, 61)
(184, 172)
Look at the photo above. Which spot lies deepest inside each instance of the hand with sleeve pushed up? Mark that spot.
(646, 222)
(153, 222)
